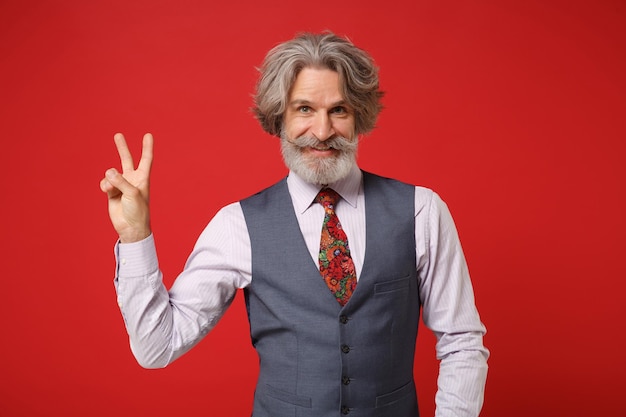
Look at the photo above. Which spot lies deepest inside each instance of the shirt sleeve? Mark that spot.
(162, 325)
(449, 309)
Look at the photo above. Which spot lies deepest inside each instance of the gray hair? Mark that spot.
(357, 74)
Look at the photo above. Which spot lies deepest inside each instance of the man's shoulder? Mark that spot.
(422, 195)
(266, 195)
(370, 178)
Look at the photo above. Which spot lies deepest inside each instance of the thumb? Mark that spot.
(118, 181)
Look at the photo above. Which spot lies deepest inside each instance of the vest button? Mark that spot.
(345, 410)
(345, 348)
(345, 380)
(343, 319)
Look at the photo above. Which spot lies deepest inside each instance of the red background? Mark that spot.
(514, 111)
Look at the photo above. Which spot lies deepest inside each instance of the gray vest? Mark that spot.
(318, 359)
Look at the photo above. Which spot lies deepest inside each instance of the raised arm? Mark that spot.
(128, 192)
(162, 325)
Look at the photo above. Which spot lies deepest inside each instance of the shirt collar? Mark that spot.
(303, 193)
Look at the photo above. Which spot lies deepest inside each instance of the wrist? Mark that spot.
(135, 236)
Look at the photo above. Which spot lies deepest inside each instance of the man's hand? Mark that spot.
(129, 191)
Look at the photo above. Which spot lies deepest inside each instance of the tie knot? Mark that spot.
(327, 197)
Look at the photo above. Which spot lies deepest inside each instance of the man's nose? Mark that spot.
(322, 127)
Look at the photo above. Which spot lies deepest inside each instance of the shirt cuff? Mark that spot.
(137, 258)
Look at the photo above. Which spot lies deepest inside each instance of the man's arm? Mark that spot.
(163, 325)
(450, 312)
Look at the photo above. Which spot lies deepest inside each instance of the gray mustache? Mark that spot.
(337, 142)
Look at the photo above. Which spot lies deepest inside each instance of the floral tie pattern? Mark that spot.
(336, 265)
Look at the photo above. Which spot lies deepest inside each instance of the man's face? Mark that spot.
(318, 137)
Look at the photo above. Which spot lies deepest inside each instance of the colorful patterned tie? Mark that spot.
(336, 265)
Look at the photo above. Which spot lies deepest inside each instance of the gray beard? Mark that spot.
(319, 170)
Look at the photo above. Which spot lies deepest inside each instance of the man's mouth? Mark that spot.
(326, 150)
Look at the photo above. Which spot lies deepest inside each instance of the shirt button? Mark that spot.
(345, 380)
(123, 261)
(345, 410)
(343, 319)
(345, 348)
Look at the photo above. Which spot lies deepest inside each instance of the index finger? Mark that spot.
(122, 149)
(145, 163)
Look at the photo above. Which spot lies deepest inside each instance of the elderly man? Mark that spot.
(333, 305)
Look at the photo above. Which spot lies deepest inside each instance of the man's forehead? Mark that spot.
(314, 84)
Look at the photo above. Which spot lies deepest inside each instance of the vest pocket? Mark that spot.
(287, 397)
(395, 285)
(404, 392)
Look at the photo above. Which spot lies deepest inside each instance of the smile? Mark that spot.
(321, 151)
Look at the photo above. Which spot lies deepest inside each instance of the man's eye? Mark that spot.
(304, 109)
(338, 110)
